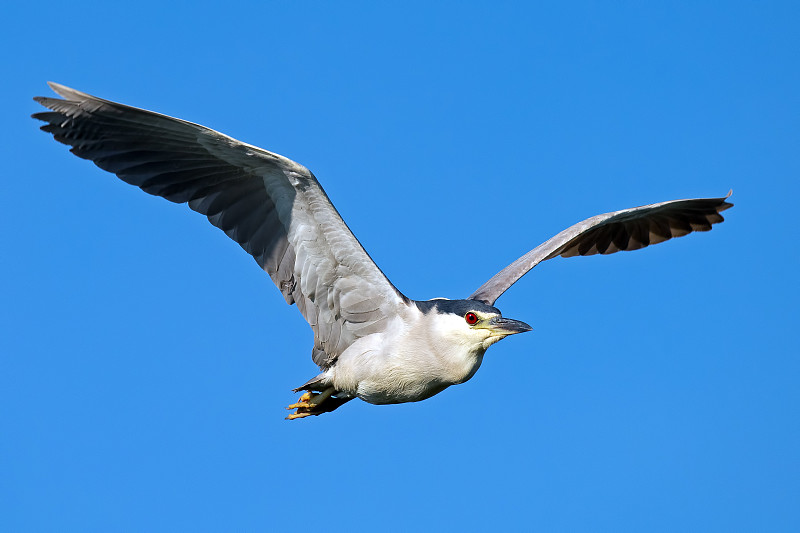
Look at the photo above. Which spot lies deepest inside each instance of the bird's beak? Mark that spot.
(506, 326)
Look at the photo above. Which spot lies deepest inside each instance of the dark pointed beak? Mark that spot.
(507, 326)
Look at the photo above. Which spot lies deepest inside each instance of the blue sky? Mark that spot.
(145, 360)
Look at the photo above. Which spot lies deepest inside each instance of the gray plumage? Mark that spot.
(273, 207)
(370, 341)
(629, 229)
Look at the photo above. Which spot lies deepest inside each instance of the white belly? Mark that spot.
(414, 372)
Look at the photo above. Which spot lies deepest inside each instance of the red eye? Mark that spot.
(471, 318)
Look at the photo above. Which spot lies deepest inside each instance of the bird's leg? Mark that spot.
(311, 399)
(310, 404)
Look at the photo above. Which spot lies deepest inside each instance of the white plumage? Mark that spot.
(370, 341)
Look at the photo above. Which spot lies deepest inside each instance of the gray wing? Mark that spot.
(629, 229)
(273, 207)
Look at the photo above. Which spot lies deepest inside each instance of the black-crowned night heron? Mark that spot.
(370, 341)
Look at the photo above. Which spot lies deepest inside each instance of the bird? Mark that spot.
(370, 341)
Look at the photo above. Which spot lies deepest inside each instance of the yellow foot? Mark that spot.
(304, 401)
(308, 404)
(297, 415)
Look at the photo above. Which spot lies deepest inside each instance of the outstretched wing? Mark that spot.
(629, 229)
(273, 207)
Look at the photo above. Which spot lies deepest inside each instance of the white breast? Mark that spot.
(415, 357)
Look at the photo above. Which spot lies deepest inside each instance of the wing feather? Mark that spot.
(629, 229)
(273, 207)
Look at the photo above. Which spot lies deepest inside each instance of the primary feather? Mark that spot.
(273, 207)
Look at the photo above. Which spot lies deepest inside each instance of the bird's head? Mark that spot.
(469, 323)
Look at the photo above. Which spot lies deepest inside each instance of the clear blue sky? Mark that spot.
(145, 360)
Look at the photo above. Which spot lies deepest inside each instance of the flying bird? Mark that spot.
(370, 341)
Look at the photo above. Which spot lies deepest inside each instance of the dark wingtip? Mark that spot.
(725, 205)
